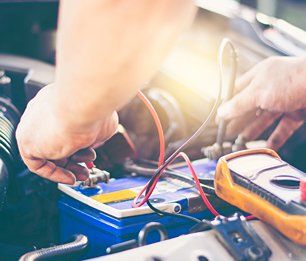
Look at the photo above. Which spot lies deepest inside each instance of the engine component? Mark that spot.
(250, 180)
(28, 215)
(142, 238)
(240, 239)
(78, 244)
(237, 236)
(9, 156)
(203, 246)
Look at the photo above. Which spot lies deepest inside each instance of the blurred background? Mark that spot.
(184, 89)
(292, 11)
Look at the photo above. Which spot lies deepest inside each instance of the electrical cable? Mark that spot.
(130, 143)
(146, 171)
(151, 184)
(158, 124)
(229, 91)
(200, 190)
(171, 173)
(176, 215)
(198, 186)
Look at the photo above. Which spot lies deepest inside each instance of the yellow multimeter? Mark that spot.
(259, 182)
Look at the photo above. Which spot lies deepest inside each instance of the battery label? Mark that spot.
(128, 194)
(115, 196)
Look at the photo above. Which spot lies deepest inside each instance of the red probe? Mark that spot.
(303, 190)
(90, 165)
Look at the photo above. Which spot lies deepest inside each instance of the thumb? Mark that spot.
(240, 104)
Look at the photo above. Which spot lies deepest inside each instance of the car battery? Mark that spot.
(106, 216)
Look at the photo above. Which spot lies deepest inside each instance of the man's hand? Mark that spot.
(273, 89)
(52, 146)
(106, 50)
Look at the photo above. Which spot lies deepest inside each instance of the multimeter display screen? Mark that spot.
(249, 165)
(272, 175)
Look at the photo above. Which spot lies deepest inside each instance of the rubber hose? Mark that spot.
(80, 242)
(9, 156)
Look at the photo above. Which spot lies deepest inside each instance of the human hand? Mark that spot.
(272, 90)
(52, 144)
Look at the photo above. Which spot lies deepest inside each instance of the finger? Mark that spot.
(284, 130)
(50, 170)
(81, 173)
(259, 125)
(84, 155)
(240, 104)
(98, 144)
(245, 80)
(61, 163)
(235, 126)
(297, 115)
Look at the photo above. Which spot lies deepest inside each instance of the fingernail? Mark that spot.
(70, 181)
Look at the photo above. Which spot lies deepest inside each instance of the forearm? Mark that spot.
(107, 49)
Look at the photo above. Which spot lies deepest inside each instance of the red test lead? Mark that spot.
(90, 165)
(303, 190)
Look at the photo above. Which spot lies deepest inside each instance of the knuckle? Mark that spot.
(263, 101)
(50, 171)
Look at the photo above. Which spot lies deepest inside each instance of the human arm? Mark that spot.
(106, 51)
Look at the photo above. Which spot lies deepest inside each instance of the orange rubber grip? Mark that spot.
(292, 226)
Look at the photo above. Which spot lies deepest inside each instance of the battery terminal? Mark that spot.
(96, 176)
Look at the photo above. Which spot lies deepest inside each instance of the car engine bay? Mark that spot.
(98, 217)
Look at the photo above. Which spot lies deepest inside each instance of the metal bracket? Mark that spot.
(240, 239)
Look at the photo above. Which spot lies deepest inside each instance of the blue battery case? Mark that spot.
(106, 216)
